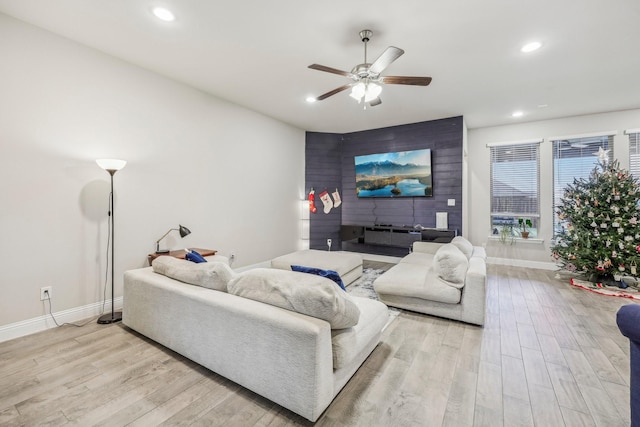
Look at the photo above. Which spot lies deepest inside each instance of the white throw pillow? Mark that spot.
(464, 245)
(212, 275)
(451, 265)
(304, 293)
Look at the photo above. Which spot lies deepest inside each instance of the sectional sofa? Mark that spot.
(445, 280)
(261, 328)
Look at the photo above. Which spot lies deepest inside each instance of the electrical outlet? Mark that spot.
(45, 293)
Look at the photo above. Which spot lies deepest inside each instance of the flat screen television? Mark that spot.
(397, 174)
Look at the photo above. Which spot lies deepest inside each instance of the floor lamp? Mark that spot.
(112, 166)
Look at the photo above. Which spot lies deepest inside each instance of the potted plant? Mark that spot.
(524, 223)
(506, 233)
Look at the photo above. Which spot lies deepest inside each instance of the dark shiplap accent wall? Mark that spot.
(323, 171)
(326, 152)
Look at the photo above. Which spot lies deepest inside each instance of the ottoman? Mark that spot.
(347, 264)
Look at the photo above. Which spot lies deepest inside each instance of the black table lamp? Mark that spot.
(111, 166)
(184, 231)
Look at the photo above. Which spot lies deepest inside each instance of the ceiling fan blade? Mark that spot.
(404, 80)
(375, 102)
(333, 92)
(330, 70)
(383, 61)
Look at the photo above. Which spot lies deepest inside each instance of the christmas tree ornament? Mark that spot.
(326, 201)
(633, 268)
(608, 242)
(614, 254)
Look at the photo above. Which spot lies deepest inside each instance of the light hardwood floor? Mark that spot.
(549, 355)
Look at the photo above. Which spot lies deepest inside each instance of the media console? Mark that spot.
(393, 236)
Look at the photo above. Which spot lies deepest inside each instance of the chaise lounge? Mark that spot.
(445, 280)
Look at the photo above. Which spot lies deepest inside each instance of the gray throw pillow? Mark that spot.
(304, 293)
(451, 265)
(212, 275)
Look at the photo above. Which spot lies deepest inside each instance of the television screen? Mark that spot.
(399, 174)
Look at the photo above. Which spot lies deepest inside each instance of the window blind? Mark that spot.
(515, 177)
(575, 158)
(634, 154)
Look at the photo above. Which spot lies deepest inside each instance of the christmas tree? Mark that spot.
(599, 219)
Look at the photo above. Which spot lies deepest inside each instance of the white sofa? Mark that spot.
(445, 280)
(292, 359)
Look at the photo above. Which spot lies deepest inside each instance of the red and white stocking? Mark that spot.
(336, 199)
(312, 201)
(326, 201)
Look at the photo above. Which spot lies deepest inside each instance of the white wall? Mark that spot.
(479, 171)
(234, 177)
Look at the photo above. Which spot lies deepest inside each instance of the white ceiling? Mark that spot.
(255, 53)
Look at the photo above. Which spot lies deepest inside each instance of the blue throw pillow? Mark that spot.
(329, 274)
(194, 256)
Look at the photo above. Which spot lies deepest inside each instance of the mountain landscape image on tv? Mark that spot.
(397, 174)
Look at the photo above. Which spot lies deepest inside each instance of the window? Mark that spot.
(634, 152)
(575, 158)
(515, 189)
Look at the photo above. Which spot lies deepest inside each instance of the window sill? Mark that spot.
(518, 240)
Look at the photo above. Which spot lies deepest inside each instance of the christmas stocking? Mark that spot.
(312, 201)
(336, 199)
(326, 200)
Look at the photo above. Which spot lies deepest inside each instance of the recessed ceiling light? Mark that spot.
(164, 14)
(517, 114)
(530, 47)
(543, 105)
(311, 99)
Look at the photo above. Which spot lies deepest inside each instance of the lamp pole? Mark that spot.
(111, 166)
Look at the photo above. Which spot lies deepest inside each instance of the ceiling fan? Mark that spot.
(366, 77)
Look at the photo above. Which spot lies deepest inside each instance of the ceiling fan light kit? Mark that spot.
(367, 81)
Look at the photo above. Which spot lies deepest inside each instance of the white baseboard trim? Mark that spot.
(44, 322)
(523, 263)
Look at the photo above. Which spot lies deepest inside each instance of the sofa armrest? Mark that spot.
(281, 355)
(474, 293)
(628, 319)
(426, 247)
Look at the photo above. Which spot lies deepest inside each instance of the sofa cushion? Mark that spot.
(212, 275)
(419, 258)
(416, 281)
(347, 344)
(308, 294)
(329, 274)
(451, 265)
(464, 245)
